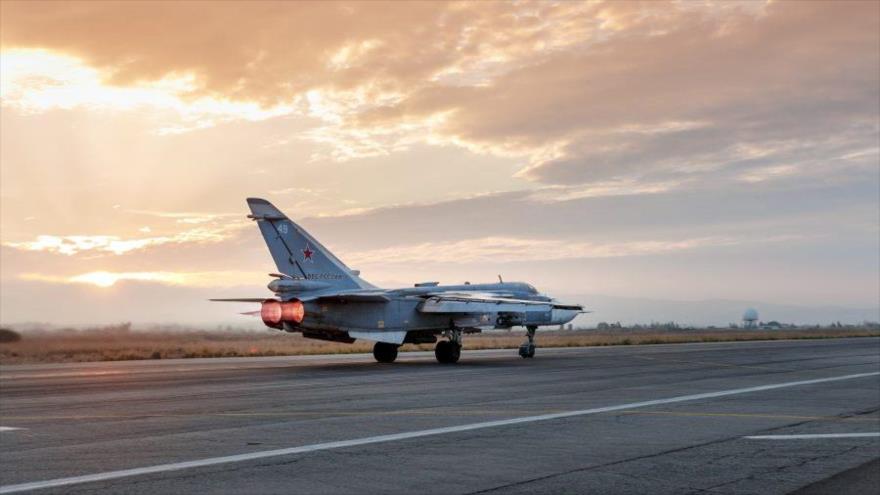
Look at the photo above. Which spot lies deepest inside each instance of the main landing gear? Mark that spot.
(385, 352)
(448, 351)
(527, 350)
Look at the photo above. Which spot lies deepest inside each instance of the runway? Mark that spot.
(727, 418)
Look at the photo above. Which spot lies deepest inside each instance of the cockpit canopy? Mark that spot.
(528, 288)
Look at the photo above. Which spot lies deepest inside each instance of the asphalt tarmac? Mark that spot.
(727, 418)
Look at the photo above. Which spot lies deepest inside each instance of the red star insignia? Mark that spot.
(307, 253)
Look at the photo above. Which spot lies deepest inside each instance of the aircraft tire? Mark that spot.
(527, 350)
(385, 352)
(447, 352)
(440, 351)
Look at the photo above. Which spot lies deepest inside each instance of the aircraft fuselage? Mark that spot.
(402, 312)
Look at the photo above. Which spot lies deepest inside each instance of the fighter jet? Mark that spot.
(317, 295)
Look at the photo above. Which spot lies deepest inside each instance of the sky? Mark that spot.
(680, 151)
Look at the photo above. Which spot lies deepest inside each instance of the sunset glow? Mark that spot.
(109, 279)
(680, 150)
(35, 81)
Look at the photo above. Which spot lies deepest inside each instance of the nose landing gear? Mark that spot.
(527, 350)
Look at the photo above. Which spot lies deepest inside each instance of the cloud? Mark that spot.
(302, 191)
(516, 249)
(798, 83)
(738, 209)
(36, 81)
(620, 187)
(768, 173)
(187, 217)
(342, 45)
(74, 244)
(579, 92)
(106, 279)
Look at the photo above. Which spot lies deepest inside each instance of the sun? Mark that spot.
(101, 279)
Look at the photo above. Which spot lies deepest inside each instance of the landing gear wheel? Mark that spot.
(527, 350)
(385, 352)
(447, 352)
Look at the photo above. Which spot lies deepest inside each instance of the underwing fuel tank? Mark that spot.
(507, 320)
(296, 285)
(556, 316)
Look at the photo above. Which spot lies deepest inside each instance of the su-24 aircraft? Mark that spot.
(317, 295)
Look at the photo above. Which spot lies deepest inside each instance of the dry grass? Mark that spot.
(121, 343)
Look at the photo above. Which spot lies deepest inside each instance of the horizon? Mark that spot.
(663, 152)
(609, 309)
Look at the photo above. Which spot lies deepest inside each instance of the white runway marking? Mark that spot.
(212, 461)
(808, 436)
(9, 428)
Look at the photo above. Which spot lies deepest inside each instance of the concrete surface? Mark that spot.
(94, 418)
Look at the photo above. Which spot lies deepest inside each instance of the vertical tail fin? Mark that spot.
(298, 254)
